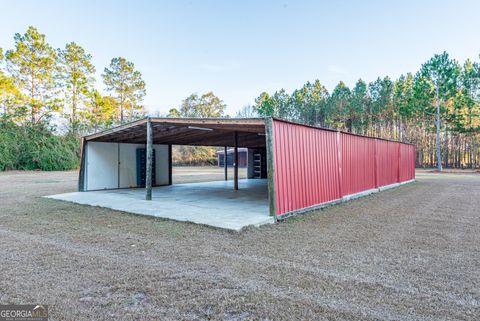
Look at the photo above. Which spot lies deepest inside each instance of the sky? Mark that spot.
(238, 49)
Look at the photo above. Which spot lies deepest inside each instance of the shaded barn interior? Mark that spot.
(119, 153)
(242, 157)
(116, 162)
(303, 167)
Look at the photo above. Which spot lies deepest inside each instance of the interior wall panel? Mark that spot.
(104, 171)
(161, 164)
(128, 164)
(101, 166)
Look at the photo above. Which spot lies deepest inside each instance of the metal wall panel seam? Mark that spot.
(339, 161)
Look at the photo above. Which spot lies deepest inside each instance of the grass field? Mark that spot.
(410, 253)
(187, 174)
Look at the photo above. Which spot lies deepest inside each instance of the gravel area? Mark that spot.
(411, 253)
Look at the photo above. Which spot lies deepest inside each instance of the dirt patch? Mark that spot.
(403, 254)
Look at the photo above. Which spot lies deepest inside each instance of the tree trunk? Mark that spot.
(32, 100)
(439, 148)
(74, 109)
(445, 148)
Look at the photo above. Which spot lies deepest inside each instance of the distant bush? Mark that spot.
(30, 148)
(194, 156)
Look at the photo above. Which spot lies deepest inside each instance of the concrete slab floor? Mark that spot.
(211, 203)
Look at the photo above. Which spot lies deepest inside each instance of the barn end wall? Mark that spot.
(104, 171)
(315, 167)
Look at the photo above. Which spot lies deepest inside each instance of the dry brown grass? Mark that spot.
(403, 254)
(192, 174)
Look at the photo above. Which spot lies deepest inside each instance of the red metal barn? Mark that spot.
(313, 166)
(300, 167)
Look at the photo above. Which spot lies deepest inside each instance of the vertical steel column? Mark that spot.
(148, 174)
(225, 163)
(118, 165)
(170, 165)
(235, 162)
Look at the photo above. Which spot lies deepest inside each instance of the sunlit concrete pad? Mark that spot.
(211, 203)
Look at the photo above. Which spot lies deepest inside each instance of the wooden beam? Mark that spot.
(81, 171)
(188, 136)
(181, 134)
(139, 137)
(211, 121)
(227, 127)
(222, 138)
(161, 134)
(129, 135)
(195, 137)
(118, 165)
(225, 163)
(235, 163)
(148, 174)
(272, 201)
(116, 129)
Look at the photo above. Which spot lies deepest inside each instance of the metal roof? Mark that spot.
(197, 132)
(188, 131)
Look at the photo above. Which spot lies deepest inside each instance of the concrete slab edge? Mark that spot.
(360, 194)
(344, 199)
(268, 220)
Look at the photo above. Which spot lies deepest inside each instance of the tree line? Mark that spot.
(402, 109)
(39, 82)
(41, 86)
(197, 106)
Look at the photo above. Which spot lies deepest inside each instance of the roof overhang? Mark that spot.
(189, 131)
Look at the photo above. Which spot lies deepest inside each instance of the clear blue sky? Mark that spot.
(238, 49)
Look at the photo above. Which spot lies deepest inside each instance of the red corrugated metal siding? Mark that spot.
(313, 166)
(387, 162)
(407, 162)
(358, 164)
(412, 161)
(306, 166)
